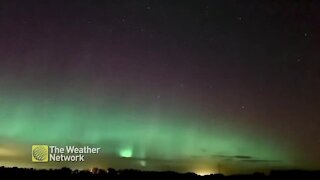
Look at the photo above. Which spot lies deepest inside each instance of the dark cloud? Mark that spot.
(260, 161)
(233, 157)
(242, 157)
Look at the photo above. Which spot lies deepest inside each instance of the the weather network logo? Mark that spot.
(40, 153)
(70, 153)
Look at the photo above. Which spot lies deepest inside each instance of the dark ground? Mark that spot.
(112, 173)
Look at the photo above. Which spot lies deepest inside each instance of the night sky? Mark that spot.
(202, 86)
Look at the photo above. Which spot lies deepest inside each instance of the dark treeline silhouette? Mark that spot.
(128, 173)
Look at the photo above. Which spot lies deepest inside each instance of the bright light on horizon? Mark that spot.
(203, 172)
(126, 153)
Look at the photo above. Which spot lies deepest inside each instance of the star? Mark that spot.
(123, 19)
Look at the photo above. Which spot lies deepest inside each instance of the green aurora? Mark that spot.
(141, 135)
(203, 86)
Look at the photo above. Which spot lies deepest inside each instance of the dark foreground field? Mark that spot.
(112, 173)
